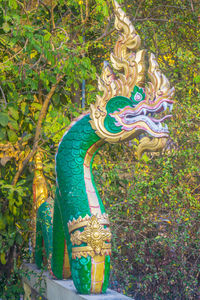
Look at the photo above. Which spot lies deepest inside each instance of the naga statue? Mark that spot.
(75, 233)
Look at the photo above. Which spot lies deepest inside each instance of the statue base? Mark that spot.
(40, 283)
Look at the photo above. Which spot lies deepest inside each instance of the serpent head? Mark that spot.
(137, 114)
(143, 112)
(130, 106)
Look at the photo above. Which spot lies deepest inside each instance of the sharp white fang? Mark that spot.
(144, 111)
(164, 106)
(171, 107)
(166, 127)
(159, 125)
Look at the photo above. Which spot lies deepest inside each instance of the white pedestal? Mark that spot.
(38, 283)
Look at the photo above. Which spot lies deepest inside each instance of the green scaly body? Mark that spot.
(72, 202)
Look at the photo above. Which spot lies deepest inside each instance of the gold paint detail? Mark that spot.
(66, 264)
(95, 236)
(159, 87)
(130, 65)
(129, 62)
(40, 192)
(86, 251)
(82, 222)
(150, 145)
(97, 273)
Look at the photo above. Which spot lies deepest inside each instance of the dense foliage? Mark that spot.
(47, 49)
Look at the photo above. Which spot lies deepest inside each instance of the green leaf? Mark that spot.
(13, 124)
(197, 79)
(6, 27)
(3, 119)
(37, 106)
(14, 113)
(24, 108)
(145, 158)
(2, 223)
(3, 258)
(27, 137)
(80, 39)
(13, 4)
(12, 136)
(105, 10)
(2, 133)
(47, 36)
(19, 239)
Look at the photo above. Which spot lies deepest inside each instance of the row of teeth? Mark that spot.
(165, 105)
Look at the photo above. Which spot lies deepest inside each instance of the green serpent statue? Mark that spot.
(77, 242)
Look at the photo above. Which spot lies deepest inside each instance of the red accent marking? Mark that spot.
(88, 153)
(87, 178)
(85, 165)
(51, 272)
(91, 147)
(93, 192)
(94, 206)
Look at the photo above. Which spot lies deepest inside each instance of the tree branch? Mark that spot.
(38, 130)
(52, 15)
(15, 53)
(44, 110)
(105, 34)
(4, 97)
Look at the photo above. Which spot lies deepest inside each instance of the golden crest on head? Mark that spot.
(114, 116)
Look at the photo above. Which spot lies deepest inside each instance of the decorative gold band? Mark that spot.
(88, 251)
(94, 235)
(82, 222)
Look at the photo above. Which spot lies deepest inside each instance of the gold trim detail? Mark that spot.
(129, 62)
(66, 264)
(81, 222)
(151, 145)
(77, 252)
(40, 192)
(95, 236)
(159, 87)
(130, 65)
(97, 273)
